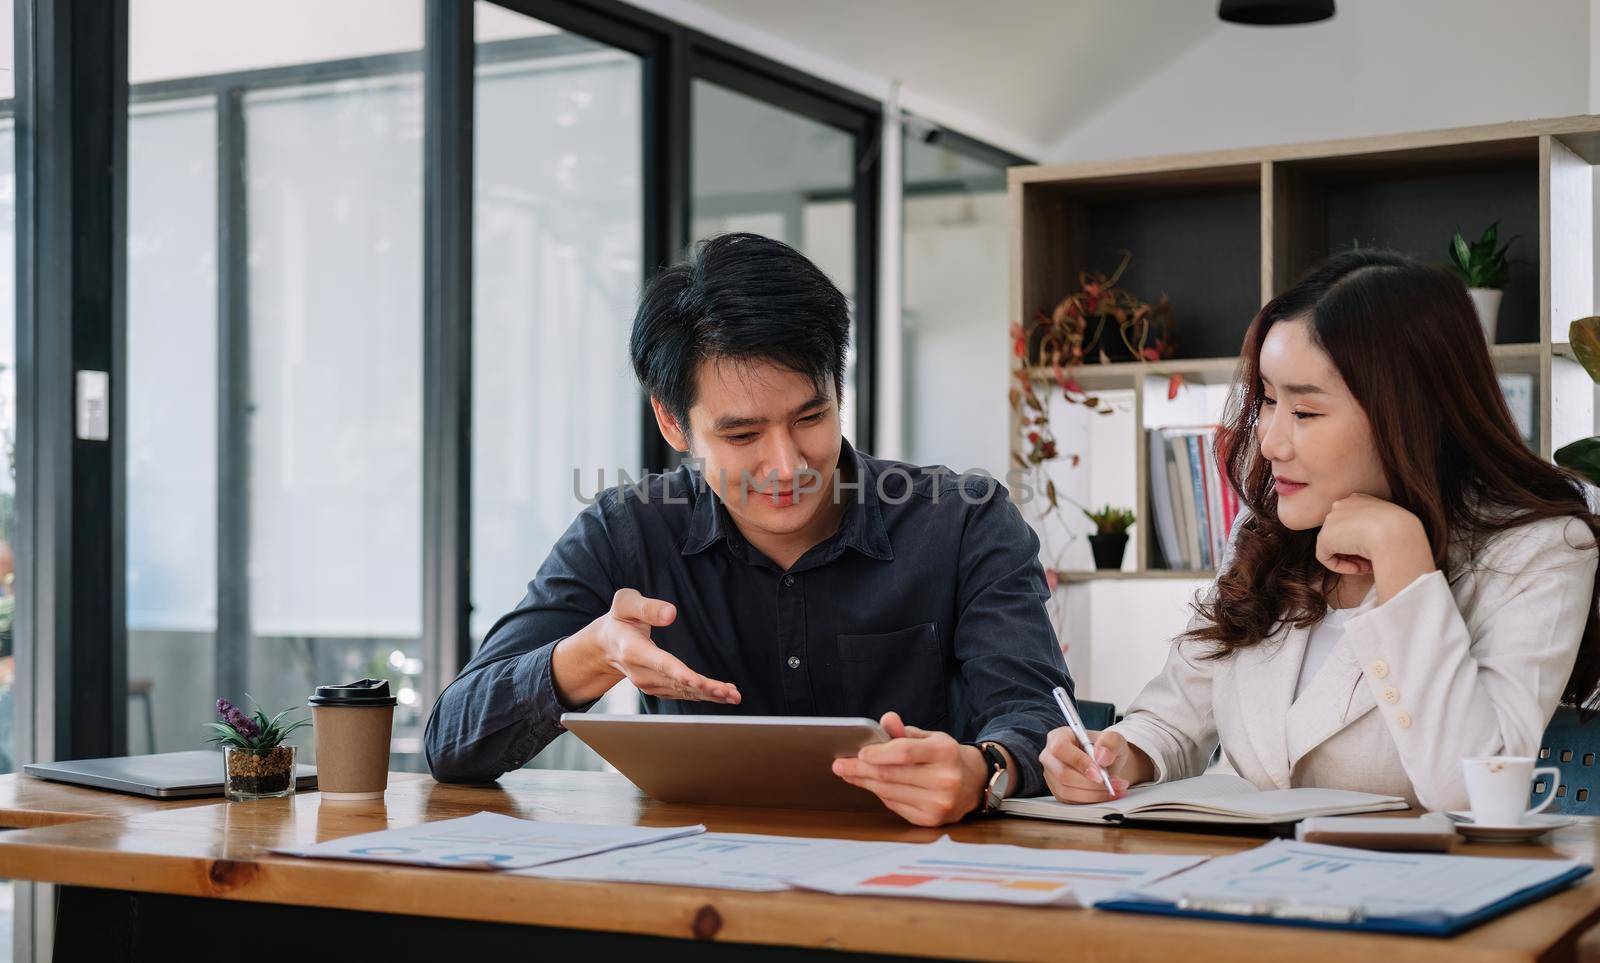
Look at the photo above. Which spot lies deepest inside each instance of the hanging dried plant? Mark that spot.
(1081, 327)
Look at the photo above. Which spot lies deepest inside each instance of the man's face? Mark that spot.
(769, 440)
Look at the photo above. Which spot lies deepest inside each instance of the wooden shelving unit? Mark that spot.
(1097, 575)
(1221, 233)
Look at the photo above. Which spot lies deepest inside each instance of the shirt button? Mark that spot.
(1380, 669)
(788, 580)
(1402, 719)
(1391, 695)
(794, 662)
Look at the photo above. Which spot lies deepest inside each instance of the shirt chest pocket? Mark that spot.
(900, 671)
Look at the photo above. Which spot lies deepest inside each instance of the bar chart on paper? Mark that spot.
(487, 841)
(1358, 882)
(949, 870)
(719, 860)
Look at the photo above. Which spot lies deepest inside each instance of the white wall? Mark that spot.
(955, 295)
(1594, 56)
(1377, 67)
(822, 63)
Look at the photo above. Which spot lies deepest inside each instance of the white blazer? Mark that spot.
(1439, 672)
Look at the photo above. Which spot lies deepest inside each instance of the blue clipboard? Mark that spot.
(1282, 914)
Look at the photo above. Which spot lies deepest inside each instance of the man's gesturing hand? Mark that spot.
(927, 777)
(617, 646)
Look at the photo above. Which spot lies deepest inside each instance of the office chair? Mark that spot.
(1572, 747)
(140, 689)
(1097, 715)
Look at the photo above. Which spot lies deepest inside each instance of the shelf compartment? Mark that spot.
(1507, 358)
(1413, 203)
(1100, 575)
(1195, 236)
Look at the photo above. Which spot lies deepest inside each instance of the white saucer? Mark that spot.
(1530, 828)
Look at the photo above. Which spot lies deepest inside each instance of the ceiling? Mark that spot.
(1028, 68)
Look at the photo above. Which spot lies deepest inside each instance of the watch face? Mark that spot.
(995, 791)
(998, 786)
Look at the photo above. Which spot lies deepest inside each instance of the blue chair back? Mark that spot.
(1574, 748)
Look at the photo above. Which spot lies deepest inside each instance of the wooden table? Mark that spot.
(139, 875)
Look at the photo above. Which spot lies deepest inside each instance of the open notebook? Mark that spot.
(1215, 798)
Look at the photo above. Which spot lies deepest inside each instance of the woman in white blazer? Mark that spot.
(1411, 585)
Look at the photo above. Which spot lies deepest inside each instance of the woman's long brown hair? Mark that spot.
(1405, 338)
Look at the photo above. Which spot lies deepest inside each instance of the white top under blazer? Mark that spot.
(1442, 671)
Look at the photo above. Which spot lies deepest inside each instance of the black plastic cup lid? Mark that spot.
(366, 694)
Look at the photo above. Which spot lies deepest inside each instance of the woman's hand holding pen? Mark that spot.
(1074, 776)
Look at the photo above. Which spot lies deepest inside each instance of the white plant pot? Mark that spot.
(1487, 301)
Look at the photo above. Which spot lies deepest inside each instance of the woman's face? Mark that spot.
(1311, 429)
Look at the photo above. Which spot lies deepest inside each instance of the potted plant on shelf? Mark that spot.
(1110, 538)
(1583, 455)
(256, 764)
(1485, 271)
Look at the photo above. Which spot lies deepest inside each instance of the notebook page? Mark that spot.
(1284, 804)
(1198, 788)
(1183, 790)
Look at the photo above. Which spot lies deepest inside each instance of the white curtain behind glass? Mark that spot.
(556, 273)
(172, 368)
(335, 209)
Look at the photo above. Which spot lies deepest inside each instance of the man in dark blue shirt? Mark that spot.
(783, 573)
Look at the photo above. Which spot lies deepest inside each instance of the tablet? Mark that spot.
(783, 761)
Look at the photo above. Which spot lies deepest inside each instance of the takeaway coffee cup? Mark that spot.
(352, 723)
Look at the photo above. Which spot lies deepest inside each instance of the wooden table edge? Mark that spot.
(804, 920)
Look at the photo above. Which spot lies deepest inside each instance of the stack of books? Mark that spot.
(1193, 505)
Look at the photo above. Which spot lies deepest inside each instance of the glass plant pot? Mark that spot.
(257, 773)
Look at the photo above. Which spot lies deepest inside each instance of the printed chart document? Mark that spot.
(1213, 798)
(995, 873)
(488, 841)
(1305, 881)
(719, 860)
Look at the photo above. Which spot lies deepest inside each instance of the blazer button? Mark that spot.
(1380, 669)
(1402, 719)
(1391, 695)
(794, 662)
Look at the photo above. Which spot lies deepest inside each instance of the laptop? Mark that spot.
(165, 775)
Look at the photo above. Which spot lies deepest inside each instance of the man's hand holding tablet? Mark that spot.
(926, 777)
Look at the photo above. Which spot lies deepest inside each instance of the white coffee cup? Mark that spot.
(1498, 786)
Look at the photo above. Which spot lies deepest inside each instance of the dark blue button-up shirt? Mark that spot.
(929, 600)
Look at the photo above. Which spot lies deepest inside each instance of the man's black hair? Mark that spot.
(739, 297)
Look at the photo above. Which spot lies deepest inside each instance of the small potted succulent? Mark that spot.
(1485, 271)
(1110, 538)
(256, 763)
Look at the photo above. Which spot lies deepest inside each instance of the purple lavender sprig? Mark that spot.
(241, 723)
(239, 730)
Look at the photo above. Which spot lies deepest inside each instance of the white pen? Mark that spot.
(1082, 733)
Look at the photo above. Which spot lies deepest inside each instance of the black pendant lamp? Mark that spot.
(1274, 13)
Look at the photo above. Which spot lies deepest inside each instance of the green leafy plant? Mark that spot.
(242, 731)
(1478, 263)
(1583, 455)
(1109, 520)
